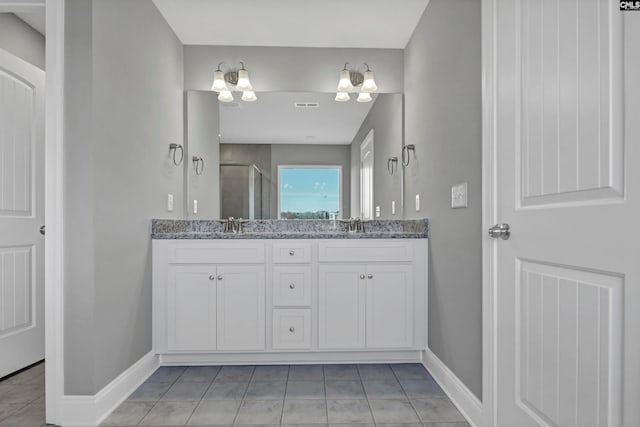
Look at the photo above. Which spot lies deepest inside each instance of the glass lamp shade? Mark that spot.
(243, 81)
(364, 97)
(344, 85)
(218, 81)
(225, 96)
(342, 97)
(249, 96)
(369, 85)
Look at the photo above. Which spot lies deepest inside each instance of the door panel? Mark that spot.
(241, 308)
(564, 134)
(341, 306)
(21, 214)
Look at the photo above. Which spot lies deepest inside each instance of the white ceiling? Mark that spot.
(274, 120)
(294, 23)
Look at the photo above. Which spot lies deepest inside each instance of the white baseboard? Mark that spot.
(466, 402)
(90, 411)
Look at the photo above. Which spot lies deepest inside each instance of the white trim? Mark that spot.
(489, 214)
(369, 139)
(466, 402)
(28, 6)
(90, 411)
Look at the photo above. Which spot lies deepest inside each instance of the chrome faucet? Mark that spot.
(233, 225)
(354, 225)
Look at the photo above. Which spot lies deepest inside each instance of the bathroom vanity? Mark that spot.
(289, 292)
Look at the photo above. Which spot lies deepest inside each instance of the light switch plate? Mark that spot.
(195, 206)
(170, 202)
(417, 203)
(377, 211)
(393, 207)
(459, 196)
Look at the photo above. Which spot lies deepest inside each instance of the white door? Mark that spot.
(341, 306)
(241, 308)
(366, 177)
(191, 305)
(389, 306)
(21, 213)
(568, 184)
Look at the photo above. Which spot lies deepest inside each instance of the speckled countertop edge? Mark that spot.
(290, 229)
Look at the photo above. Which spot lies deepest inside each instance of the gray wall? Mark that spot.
(443, 119)
(203, 126)
(385, 118)
(124, 105)
(274, 69)
(289, 154)
(21, 40)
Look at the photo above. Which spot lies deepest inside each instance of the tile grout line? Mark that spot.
(203, 395)
(408, 398)
(326, 399)
(284, 398)
(244, 395)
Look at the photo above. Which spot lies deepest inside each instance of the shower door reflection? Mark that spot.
(244, 192)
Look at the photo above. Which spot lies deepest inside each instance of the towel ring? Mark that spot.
(392, 165)
(406, 156)
(198, 164)
(173, 148)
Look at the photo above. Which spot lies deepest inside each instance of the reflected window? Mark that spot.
(309, 192)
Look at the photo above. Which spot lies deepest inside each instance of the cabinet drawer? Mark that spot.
(291, 329)
(366, 250)
(292, 285)
(291, 252)
(226, 252)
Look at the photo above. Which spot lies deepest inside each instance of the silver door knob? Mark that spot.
(292, 252)
(370, 276)
(212, 277)
(502, 231)
(292, 329)
(292, 286)
(219, 277)
(362, 276)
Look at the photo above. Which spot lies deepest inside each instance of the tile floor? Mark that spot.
(22, 398)
(318, 395)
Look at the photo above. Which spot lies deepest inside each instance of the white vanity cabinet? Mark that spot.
(289, 300)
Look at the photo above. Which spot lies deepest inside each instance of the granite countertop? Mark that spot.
(289, 229)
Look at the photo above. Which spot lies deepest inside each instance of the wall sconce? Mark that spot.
(173, 149)
(238, 78)
(406, 150)
(198, 164)
(350, 79)
(392, 165)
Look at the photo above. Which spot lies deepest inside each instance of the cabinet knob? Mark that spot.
(212, 277)
(292, 252)
(292, 329)
(292, 286)
(219, 277)
(370, 276)
(362, 276)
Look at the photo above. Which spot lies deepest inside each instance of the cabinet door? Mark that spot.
(191, 305)
(241, 308)
(389, 306)
(341, 306)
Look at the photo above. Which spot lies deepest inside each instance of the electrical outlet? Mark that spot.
(417, 203)
(393, 207)
(377, 211)
(459, 196)
(170, 202)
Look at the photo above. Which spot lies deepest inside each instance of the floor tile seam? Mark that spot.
(326, 400)
(144, 416)
(284, 397)
(407, 396)
(14, 412)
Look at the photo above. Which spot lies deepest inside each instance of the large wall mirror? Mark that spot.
(293, 155)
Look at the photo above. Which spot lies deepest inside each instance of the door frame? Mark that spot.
(54, 116)
(489, 215)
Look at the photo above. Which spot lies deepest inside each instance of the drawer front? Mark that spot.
(211, 252)
(292, 285)
(366, 250)
(291, 329)
(291, 252)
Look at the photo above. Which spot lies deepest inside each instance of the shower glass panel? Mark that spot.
(244, 192)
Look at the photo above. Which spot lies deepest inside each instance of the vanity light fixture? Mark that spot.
(239, 79)
(351, 79)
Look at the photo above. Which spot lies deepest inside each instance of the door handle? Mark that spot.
(502, 231)
(42, 230)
